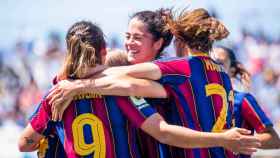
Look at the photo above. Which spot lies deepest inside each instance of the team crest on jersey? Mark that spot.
(139, 102)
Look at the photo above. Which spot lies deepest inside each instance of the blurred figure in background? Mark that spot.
(9, 89)
(28, 97)
(268, 92)
(247, 112)
(46, 60)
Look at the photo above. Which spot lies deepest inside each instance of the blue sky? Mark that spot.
(33, 18)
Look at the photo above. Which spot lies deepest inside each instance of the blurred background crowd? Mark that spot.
(28, 63)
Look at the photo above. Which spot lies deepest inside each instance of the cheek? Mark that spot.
(125, 43)
(146, 51)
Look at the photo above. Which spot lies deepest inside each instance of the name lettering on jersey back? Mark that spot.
(87, 96)
(211, 66)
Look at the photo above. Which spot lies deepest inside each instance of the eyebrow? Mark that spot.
(135, 34)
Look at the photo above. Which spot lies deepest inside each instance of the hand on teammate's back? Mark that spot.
(239, 140)
(60, 97)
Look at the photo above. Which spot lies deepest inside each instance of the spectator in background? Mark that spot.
(9, 89)
(28, 97)
(268, 92)
(46, 61)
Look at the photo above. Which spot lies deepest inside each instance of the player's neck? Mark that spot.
(96, 71)
(195, 52)
(191, 52)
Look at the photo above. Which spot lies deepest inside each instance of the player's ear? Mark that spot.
(158, 44)
(103, 53)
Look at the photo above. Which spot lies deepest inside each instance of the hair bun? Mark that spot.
(217, 30)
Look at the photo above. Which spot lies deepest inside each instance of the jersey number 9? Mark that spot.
(98, 145)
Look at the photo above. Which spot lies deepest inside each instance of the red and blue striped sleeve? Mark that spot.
(40, 122)
(254, 114)
(178, 66)
(37, 107)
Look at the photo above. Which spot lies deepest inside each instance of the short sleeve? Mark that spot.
(179, 66)
(41, 121)
(37, 108)
(254, 114)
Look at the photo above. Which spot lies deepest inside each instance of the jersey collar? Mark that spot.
(200, 54)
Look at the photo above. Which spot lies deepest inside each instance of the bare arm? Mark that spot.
(145, 70)
(188, 138)
(109, 85)
(122, 86)
(65, 90)
(269, 139)
(29, 139)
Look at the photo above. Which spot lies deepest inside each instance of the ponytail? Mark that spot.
(84, 44)
(197, 29)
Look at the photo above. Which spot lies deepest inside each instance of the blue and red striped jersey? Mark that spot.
(50, 146)
(150, 147)
(248, 114)
(97, 126)
(201, 96)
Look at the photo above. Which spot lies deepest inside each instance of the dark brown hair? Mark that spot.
(197, 29)
(155, 23)
(85, 42)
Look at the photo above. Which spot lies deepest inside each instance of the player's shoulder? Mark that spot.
(174, 66)
(172, 59)
(244, 96)
(250, 97)
(239, 96)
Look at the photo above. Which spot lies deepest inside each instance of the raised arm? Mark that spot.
(122, 85)
(155, 70)
(144, 70)
(108, 85)
(64, 91)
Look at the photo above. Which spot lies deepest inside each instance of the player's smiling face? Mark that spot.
(139, 43)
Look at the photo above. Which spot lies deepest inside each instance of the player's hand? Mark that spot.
(57, 111)
(60, 97)
(239, 140)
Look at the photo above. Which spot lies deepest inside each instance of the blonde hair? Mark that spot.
(116, 57)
